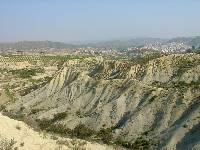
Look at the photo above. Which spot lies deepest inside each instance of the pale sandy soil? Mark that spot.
(28, 139)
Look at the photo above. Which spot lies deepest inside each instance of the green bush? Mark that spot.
(48, 79)
(60, 116)
(123, 143)
(8, 93)
(80, 114)
(105, 135)
(82, 132)
(59, 129)
(45, 124)
(35, 111)
(139, 144)
(26, 73)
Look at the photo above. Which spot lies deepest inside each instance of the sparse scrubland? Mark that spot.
(151, 102)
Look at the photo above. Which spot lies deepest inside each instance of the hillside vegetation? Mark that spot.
(151, 103)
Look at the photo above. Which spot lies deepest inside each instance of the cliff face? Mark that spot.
(159, 99)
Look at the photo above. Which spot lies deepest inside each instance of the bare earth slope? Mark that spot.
(157, 100)
(24, 138)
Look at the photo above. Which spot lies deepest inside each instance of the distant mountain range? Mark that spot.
(117, 44)
(30, 45)
(120, 44)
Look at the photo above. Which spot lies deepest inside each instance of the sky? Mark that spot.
(97, 20)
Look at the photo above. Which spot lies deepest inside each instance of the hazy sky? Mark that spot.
(83, 20)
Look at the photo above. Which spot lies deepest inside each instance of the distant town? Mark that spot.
(130, 48)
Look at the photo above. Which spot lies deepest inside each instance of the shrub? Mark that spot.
(6, 144)
(48, 79)
(34, 111)
(140, 144)
(18, 127)
(59, 129)
(22, 144)
(82, 132)
(123, 143)
(44, 124)
(26, 73)
(9, 94)
(105, 135)
(152, 98)
(60, 116)
(47, 124)
(80, 114)
(2, 107)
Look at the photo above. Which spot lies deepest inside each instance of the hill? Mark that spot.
(123, 44)
(39, 45)
(34, 45)
(147, 104)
